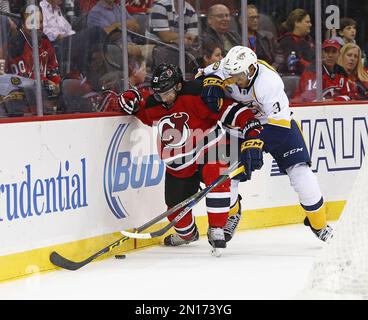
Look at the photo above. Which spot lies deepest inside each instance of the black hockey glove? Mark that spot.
(251, 155)
(130, 100)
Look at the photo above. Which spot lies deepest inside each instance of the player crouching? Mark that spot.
(193, 146)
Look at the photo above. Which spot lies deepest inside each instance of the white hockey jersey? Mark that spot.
(266, 94)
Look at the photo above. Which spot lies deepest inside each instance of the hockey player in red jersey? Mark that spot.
(188, 134)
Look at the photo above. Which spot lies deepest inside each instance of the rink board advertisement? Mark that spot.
(66, 180)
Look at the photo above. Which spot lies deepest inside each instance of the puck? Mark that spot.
(120, 256)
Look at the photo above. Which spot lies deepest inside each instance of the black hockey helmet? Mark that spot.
(165, 77)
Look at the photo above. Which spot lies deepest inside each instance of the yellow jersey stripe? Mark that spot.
(281, 123)
(267, 65)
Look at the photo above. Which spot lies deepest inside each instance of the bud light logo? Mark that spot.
(123, 173)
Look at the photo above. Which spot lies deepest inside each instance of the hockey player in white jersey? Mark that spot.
(259, 87)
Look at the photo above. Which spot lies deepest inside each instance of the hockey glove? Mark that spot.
(252, 128)
(251, 155)
(213, 93)
(130, 100)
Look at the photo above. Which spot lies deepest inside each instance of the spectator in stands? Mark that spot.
(164, 23)
(55, 26)
(139, 9)
(86, 5)
(164, 28)
(211, 52)
(5, 7)
(346, 33)
(335, 80)
(21, 53)
(137, 70)
(17, 5)
(106, 14)
(4, 33)
(351, 60)
(218, 28)
(297, 40)
(138, 6)
(137, 75)
(263, 43)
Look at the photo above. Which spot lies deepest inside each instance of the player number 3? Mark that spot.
(276, 108)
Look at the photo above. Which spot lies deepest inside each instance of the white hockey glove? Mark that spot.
(130, 100)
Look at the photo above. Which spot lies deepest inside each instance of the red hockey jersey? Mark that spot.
(21, 58)
(189, 129)
(335, 85)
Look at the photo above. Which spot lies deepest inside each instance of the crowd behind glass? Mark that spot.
(82, 48)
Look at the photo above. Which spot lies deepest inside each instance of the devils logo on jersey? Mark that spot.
(174, 130)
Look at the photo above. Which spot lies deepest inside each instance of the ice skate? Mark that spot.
(216, 238)
(175, 239)
(323, 234)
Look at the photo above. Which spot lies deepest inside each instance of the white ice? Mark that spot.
(268, 263)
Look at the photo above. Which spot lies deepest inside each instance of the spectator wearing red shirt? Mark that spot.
(334, 78)
(21, 52)
(351, 60)
(298, 39)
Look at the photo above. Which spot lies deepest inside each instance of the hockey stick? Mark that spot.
(65, 263)
(233, 171)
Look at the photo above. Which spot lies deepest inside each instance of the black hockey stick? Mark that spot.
(233, 171)
(65, 263)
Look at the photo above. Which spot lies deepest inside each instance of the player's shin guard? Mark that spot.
(186, 231)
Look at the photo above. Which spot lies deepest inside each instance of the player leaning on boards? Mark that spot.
(189, 132)
(257, 84)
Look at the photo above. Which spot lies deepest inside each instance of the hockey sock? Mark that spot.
(317, 218)
(305, 183)
(218, 200)
(234, 209)
(186, 226)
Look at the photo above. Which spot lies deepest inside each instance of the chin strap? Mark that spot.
(255, 71)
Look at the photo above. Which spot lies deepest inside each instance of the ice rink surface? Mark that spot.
(262, 264)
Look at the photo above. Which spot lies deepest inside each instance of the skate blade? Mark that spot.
(216, 252)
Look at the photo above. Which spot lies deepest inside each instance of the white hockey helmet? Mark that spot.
(239, 59)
